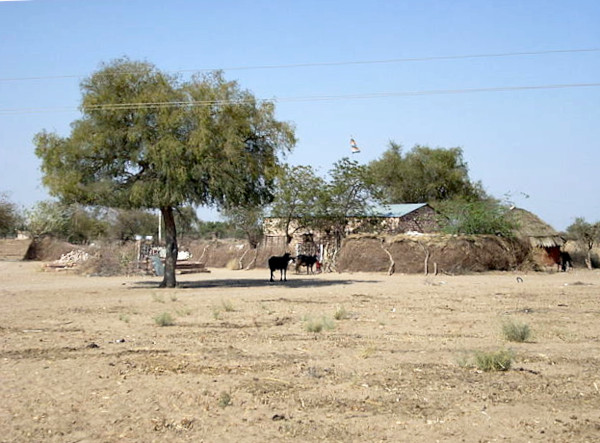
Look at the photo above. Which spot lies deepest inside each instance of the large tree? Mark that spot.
(149, 140)
(424, 174)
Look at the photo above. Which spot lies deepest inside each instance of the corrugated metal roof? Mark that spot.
(397, 210)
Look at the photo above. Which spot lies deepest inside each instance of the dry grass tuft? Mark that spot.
(516, 331)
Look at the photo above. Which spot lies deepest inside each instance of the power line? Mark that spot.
(314, 98)
(335, 63)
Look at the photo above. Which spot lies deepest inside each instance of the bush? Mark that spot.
(476, 217)
(233, 264)
(164, 319)
(111, 260)
(494, 361)
(312, 324)
(516, 331)
(10, 217)
(341, 313)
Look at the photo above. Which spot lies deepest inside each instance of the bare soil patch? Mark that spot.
(82, 358)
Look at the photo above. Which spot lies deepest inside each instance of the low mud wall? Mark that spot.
(359, 253)
(449, 254)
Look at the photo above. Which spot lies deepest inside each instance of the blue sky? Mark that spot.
(540, 142)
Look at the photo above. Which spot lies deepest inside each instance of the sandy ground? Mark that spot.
(83, 359)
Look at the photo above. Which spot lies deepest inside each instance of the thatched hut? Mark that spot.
(545, 242)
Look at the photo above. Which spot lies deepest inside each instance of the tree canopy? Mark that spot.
(586, 235)
(150, 140)
(423, 175)
(296, 198)
(10, 216)
(487, 216)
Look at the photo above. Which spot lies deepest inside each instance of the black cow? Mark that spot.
(306, 260)
(565, 262)
(281, 263)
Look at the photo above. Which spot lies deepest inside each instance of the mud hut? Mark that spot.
(545, 241)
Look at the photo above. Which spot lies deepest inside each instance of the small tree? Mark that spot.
(125, 224)
(586, 235)
(72, 223)
(475, 217)
(349, 193)
(10, 216)
(296, 198)
(247, 219)
(147, 140)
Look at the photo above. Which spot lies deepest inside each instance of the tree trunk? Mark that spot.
(169, 280)
(392, 267)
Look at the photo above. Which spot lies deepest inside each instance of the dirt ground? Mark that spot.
(84, 360)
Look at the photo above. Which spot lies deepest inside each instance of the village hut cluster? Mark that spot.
(416, 224)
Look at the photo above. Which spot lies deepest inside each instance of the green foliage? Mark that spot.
(475, 217)
(125, 224)
(209, 142)
(586, 235)
(350, 192)
(423, 175)
(224, 399)
(11, 218)
(164, 319)
(296, 198)
(217, 229)
(500, 360)
(248, 220)
(73, 223)
(516, 331)
(48, 217)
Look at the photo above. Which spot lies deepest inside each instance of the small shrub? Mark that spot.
(341, 313)
(516, 331)
(367, 352)
(158, 298)
(494, 361)
(124, 318)
(312, 324)
(110, 260)
(164, 319)
(224, 399)
(227, 306)
(233, 265)
(184, 311)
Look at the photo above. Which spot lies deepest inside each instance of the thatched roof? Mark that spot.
(540, 233)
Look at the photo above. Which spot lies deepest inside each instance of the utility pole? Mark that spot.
(159, 228)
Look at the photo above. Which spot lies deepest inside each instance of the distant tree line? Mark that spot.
(79, 224)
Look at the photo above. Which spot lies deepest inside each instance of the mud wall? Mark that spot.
(450, 254)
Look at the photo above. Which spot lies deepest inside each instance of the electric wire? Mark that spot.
(334, 63)
(291, 99)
